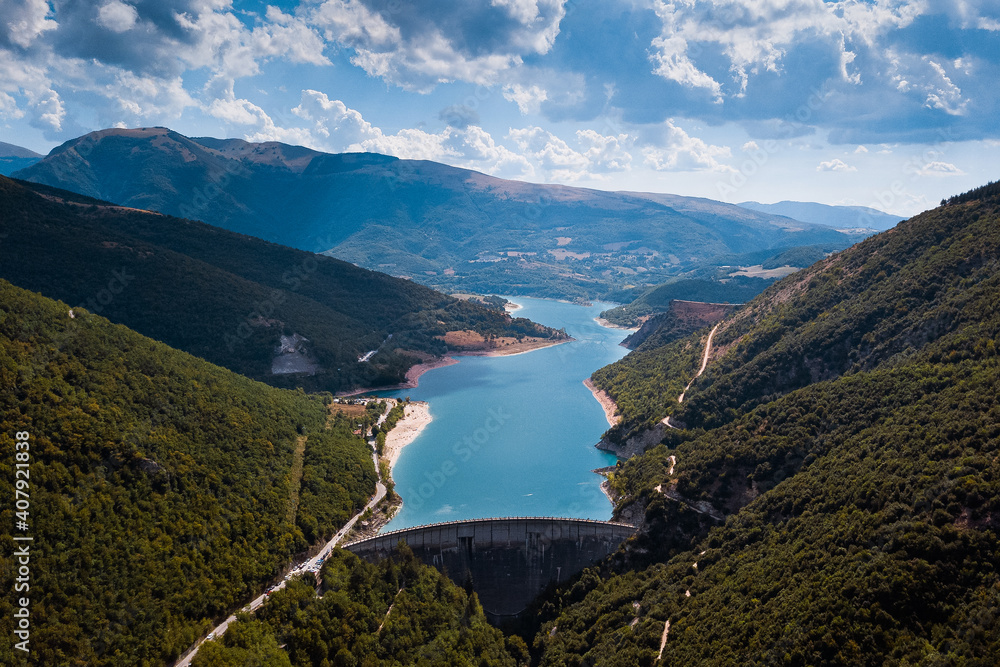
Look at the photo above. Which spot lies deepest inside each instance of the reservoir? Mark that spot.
(513, 435)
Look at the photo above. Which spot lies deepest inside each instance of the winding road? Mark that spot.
(704, 365)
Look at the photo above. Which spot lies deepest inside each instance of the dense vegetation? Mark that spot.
(229, 298)
(834, 499)
(449, 228)
(397, 613)
(159, 485)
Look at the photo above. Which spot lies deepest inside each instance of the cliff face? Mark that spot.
(682, 319)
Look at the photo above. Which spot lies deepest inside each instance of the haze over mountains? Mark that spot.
(839, 217)
(13, 158)
(446, 227)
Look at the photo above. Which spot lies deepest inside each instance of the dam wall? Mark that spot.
(509, 561)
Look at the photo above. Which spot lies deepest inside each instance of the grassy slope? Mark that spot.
(159, 484)
(848, 432)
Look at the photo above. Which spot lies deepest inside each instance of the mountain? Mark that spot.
(14, 158)
(276, 314)
(838, 217)
(453, 229)
(827, 492)
(158, 489)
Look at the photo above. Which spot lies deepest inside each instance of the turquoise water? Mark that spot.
(515, 435)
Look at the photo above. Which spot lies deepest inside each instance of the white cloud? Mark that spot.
(836, 164)
(860, 149)
(288, 36)
(678, 151)
(672, 62)
(9, 108)
(937, 168)
(528, 99)
(418, 47)
(942, 93)
(605, 153)
(117, 16)
(25, 20)
(754, 36)
(552, 154)
(147, 96)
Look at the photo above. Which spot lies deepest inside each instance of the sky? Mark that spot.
(882, 103)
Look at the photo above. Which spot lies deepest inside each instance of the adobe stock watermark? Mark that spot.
(463, 450)
(119, 280)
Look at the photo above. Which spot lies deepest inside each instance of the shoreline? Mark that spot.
(607, 403)
(416, 417)
(611, 325)
(514, 348)
(412, 380)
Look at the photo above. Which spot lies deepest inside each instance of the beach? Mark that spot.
(416, 417)
(610, 408)
(611, 325)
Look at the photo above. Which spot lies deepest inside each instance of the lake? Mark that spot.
(514, 435)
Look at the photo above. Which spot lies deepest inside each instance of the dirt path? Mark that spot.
(704, 365)
(663, 639)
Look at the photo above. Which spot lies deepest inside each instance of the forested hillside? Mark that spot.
(230, 298)
(159, 485)
(833, 499)
(394, 614)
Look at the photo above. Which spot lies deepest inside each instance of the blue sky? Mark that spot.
(880, 103)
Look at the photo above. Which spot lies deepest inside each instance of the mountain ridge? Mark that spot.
(447, 227)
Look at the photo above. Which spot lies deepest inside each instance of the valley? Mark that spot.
(833, 425)
(499, 333)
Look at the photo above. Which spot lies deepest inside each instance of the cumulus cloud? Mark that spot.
(117, 16)
(24, 21)
(527, 98)
(750, 60)
(938, 168)
(419, 45)
(679, 151)
(334, 126)
(836, 164)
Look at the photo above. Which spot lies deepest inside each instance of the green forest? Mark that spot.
(833, 497)
(398, 613)
(229, 298)
(159, 485)
(829, 498)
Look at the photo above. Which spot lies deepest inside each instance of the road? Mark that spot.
(704, 365)
(312, 565)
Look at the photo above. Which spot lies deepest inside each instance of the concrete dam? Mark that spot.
(510, 561)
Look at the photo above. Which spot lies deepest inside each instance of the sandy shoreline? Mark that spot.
(413, 375)
(514, 348)
(611, 325)
(416, 416)
(610, 407)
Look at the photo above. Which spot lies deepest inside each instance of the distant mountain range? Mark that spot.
(838, 217)
(450, 228)
(13, 158)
